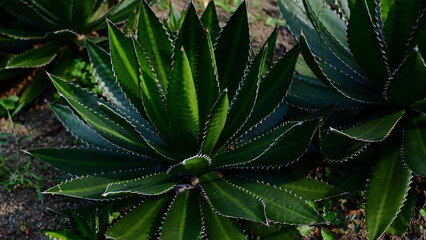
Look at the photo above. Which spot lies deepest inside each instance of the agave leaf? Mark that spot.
(242, 105)
(182, 106)
(102, 66)
(21, 34)
(36, 57)
(420, 106)
(338, 78)
(79, 128)
(327, 23)
(125, 64)
(216, 123)
(210, 21)
(387, 189)
(402, 221)
(190, 37)
(311, 93)
(231, 201)
(89, 161)
(271, 42)
(28, 13)
(193, 165)
(183, 221)
(332, 31)
(141, 223)
(252, 149)
(80, 225)
(281, 206)
(290, 147)
(306, 188)
(299, 23)
(336, 146)
(154, 184)
(61, 234)
(206, 81)
(122, 10)
(34, 89)
(153, 97)
(219, 227)
(80, 11)
(88, 108)
(408, 84)
(154, 40)
(374, 130)
(414, 147)
(364, 42)
(274, 231)
(399, 34)
(345, 7)
(232, 50)
(93, 187)
(274, 86)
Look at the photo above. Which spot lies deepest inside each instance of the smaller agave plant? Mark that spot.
(372, 56)
(196, 130)
(49, 34)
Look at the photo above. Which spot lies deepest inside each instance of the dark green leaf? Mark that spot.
(409, 81)
(219, 227)
(89, 161)
(338, 147)
(35, 57)
(80, 129)
(125, 64)
(281, 206)
(387, 189)
(183, 221)
(232, 50)
(154, 40)
(154, 184)
(365, 44)
(61, 234)
(182, 106)
(376, 129)
(402, 222)
(231, 201)
(414, 147)
(94, 187)
(211, 22)
(141, 223)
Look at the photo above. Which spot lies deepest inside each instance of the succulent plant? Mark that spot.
(372, 55)
(49, 34)
(196, 130)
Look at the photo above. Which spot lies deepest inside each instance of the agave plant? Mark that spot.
(49, 34)
(372, 53)
(197, 131)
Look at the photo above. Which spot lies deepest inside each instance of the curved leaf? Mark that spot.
(36, 57)
(414, 147)
(183, 221)
(305, 188)
(409, 81)
(376, 129)
(219, 227)
(125, 64)
(402, 222)
(281, 206)
(93, 187)
(154, 40)
(252, 149)
(211, 22)
(365, 44)
(231, 201)
(154, 184)
(88, 161)
(141, 223)
(336, 146)
(182, 106)
(387, 190)
(232, 50)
